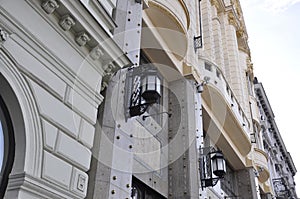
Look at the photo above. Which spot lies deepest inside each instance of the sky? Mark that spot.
(273, 28)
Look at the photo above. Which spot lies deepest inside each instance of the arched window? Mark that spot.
(7, 146)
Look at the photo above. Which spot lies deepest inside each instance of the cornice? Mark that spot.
(76, 24)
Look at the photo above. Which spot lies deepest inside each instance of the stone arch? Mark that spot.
(23, 111)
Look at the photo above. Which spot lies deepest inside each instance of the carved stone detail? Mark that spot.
(96, 53)
(49, 6)
(3, 35)
(109, 70)
(82, 38)
(232, 19)
(216, 4)
(66, 22)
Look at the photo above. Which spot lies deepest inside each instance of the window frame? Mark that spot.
(9, 146)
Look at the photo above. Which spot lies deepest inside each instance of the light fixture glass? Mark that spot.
(151, 84)
(218, 164)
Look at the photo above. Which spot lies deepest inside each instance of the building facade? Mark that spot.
(281, 165)
(132, 99)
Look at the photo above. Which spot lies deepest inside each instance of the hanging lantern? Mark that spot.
(145, 88)
(151, 86)
(218, 164)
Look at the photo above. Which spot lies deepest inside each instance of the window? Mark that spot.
(6, 147)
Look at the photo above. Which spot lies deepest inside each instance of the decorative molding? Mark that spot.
(96, 53)
(82, 38)
(49, 6)
(66, 22)
(3, 35)
(109, 69)
(216, 4)
(232, 19)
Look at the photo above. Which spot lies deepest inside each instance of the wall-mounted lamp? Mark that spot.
(144, 88)
(199, 86)
(212, 166)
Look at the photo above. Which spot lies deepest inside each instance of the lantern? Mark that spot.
(151, 87)
(218, 164)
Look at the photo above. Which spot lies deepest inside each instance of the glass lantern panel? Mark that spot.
(151, 82)
(158, 85)
(144, 84)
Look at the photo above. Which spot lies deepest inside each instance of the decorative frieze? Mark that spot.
(3, 35)
(49, 6)
(96, 53)
(66, 22)
(82, 38)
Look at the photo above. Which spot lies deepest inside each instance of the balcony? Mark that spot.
(260, 161)
(227, 115)
(171, 20)
(255, 111)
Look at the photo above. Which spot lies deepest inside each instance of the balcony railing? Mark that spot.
(217, 79)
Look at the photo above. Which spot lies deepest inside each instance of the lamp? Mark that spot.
(144, 88)
(212, 166)
(151, 86)
(218, 164)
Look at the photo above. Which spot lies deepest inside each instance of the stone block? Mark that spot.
(53, 109)
(50, 134)
(82, 105)
(86, 136)
(56, 170)
(30, 62)
(74, 151)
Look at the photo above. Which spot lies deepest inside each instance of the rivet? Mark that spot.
(118, 137)
(150, 179)
(126, 44)
(113, 192)
(114, 177)
(128, 185)
(119, 125)
(129, 12)
(137, 56)
(154, 182)
(130, 146)
(138, 31)
(128, 19)
(139, 24)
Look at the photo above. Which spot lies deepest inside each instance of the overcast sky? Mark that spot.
(273, 27)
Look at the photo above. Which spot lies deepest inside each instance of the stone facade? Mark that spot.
(66, 81)
(282, 168)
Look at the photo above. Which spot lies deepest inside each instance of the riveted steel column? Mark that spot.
(128, 16)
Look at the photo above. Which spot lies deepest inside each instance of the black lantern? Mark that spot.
(151, 86)
(212, 166)
(144, 86)
(218, 164)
